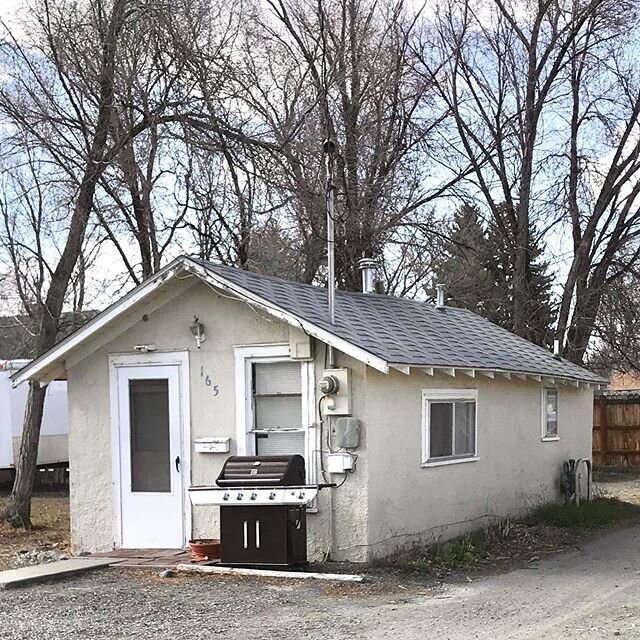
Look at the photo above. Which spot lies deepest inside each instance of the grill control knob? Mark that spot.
(239, 496)
(225, 496)
(301, 495)
(254, 495)
(272, 495)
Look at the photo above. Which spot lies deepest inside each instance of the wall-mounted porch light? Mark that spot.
(197, 331)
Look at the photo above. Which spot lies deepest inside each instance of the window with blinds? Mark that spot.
(277, 408)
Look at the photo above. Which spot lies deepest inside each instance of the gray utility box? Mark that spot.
(347, 433)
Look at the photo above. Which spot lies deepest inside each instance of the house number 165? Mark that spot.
(207, 380)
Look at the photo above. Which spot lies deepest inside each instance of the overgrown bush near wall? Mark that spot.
(601, 512)
(548, 529)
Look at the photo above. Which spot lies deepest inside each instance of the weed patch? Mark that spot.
(601, 512)
(499, 546)
(550, 529)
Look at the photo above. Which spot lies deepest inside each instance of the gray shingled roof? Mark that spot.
(408, 332)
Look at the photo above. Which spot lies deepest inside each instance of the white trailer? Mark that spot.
(53, 448)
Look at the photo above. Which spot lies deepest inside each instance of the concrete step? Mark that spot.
(51, 571)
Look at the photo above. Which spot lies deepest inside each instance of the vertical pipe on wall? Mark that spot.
(329, 147)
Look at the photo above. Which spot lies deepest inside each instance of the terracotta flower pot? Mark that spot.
(204, 549)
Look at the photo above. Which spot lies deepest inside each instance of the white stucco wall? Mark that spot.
(515, 472)
(228, 323)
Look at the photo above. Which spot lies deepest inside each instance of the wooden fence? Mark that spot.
(616, 429)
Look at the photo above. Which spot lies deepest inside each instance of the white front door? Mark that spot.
(150, 433)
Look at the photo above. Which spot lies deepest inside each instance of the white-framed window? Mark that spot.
(277, 425)
(449, 426)
(275, 405)
(550, 413)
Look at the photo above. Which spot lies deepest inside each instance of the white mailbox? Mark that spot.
(211, 445)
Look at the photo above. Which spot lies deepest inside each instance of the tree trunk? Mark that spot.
(18, 512)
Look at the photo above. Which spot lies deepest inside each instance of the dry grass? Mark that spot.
(495, 548)
(50, 518)
(550, 529)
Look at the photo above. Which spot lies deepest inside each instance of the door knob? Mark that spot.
(178, 463)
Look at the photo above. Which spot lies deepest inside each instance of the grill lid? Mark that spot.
(260, 471)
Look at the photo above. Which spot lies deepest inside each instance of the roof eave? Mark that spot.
(472, 372)
(54, 357)
(276, 311)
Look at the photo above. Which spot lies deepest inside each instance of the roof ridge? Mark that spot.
(315, 287)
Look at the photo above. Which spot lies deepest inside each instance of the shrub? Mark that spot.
(600, 512)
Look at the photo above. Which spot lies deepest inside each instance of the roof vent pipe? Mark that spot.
(367, 266)
(440, 296)
(556, 347)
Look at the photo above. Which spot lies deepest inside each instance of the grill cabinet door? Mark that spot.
(258, 535)
(297, 535)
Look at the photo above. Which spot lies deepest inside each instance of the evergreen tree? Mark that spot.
(477, 269)
(540, 308)
(463, 267)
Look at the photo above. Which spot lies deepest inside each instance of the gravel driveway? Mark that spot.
(591, 593)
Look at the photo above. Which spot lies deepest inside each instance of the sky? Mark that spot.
(109, 263)
(105, 279)
(8, 8)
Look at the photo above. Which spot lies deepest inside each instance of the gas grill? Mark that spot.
(263, 503)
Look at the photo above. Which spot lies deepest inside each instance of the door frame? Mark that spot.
(150, 359)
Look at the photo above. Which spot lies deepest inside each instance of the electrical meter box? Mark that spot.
(338, 403)
(347, 433)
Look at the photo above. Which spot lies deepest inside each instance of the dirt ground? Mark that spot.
(621, 484)
(590, 591)
(50, 517)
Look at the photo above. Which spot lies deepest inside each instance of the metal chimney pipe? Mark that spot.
(556, 347)
(367, 267)
(440, 296)
(329, 147)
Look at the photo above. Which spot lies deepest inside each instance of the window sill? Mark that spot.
(442, 463)
(550, 438)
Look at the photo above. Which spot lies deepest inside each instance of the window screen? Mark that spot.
(277, 395)
(440, 440)
(149, 435)
(452, 429)
(280, 443)
(277, 398)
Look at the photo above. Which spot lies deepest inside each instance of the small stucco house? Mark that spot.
(460, 421)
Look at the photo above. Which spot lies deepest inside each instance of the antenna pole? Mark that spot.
(328, 147)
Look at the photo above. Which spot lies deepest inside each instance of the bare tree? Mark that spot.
(50, 117)
(505, 70)
(138, 202)
(617, 342)
(344, 70)
(602, 187)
